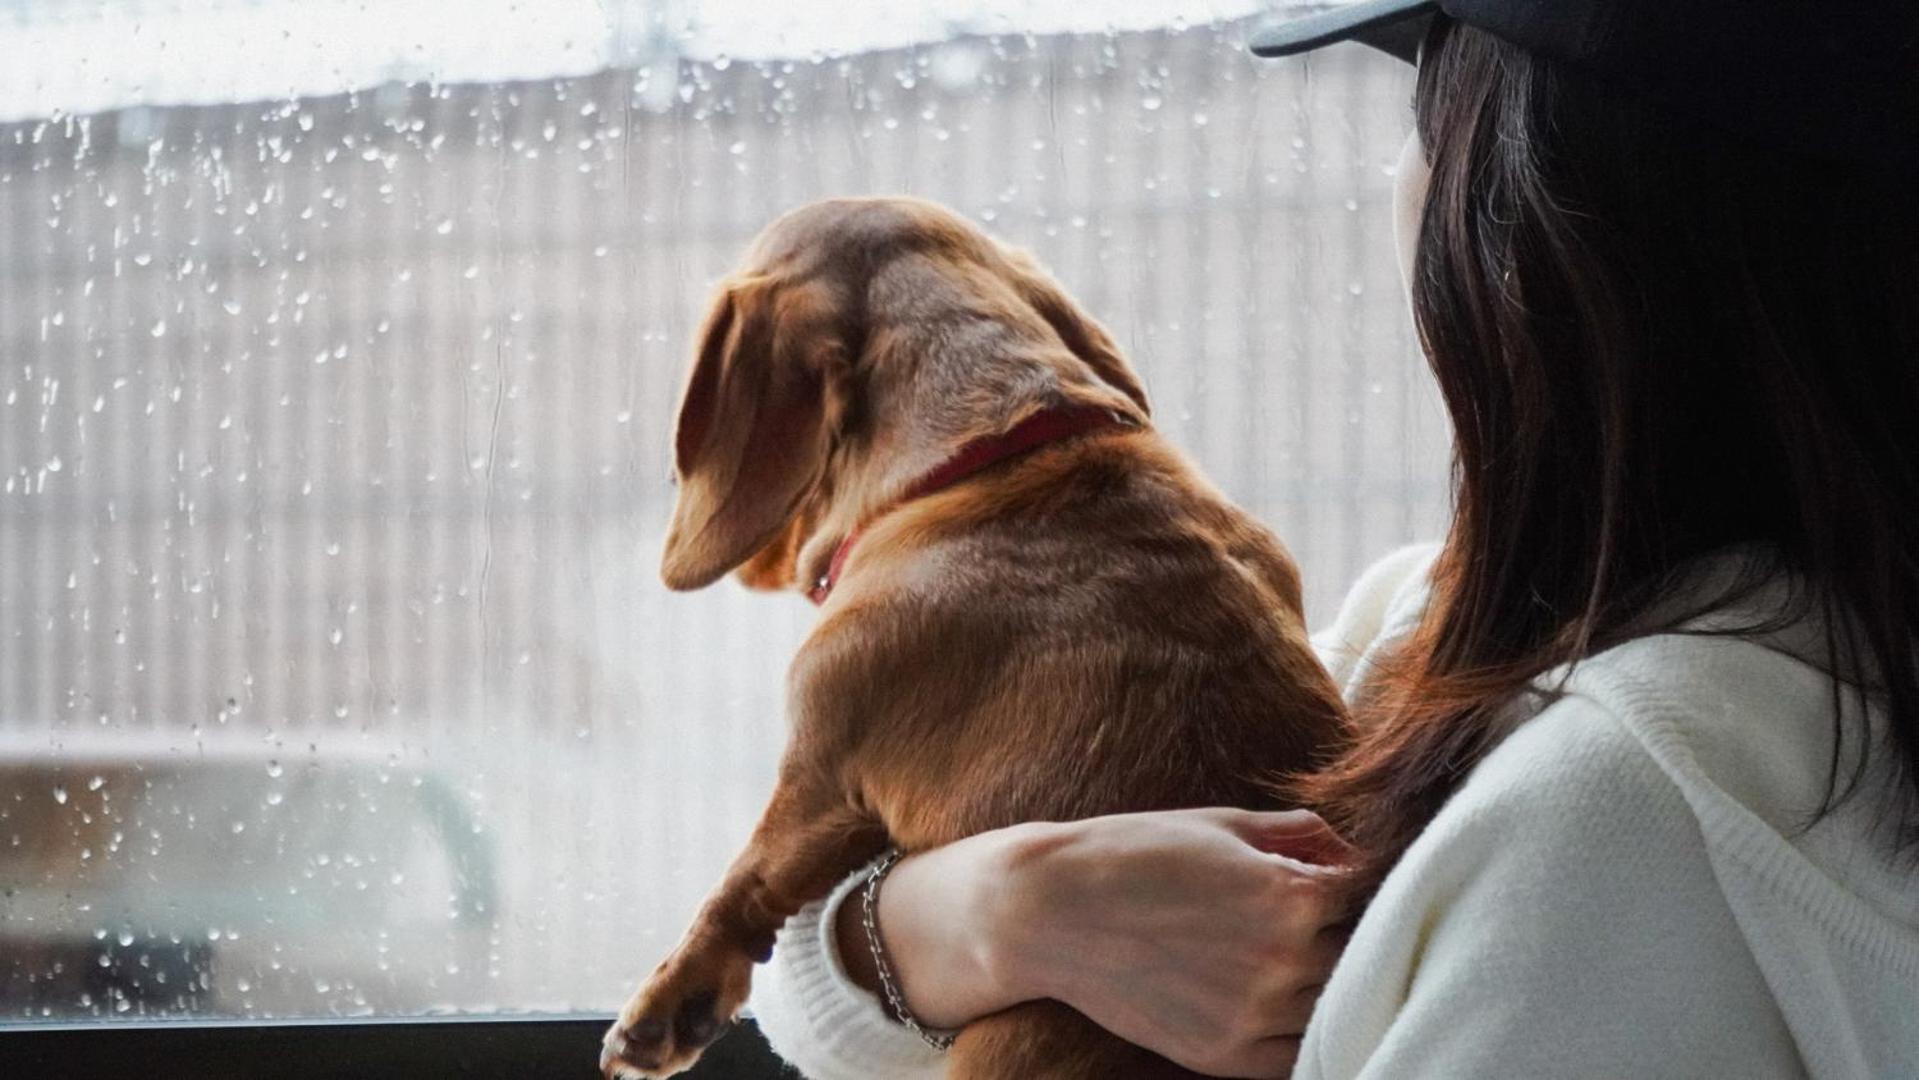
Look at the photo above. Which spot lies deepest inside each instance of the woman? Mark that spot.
(1634, 785)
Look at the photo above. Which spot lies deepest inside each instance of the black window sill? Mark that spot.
(530, 1048)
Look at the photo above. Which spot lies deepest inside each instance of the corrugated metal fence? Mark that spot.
(341, 423)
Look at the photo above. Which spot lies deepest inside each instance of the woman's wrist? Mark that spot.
(1021, 929)
(951, 921)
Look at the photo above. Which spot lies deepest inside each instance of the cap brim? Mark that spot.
(1395, 27)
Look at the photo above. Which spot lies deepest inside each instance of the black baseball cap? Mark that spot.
(1833, 78)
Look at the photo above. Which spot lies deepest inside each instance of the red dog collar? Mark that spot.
(1045, 426)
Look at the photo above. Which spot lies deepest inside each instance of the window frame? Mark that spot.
(515, 1047)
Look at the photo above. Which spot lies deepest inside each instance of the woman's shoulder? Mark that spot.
(1738, 702)
(1643, 823)
(1550, 918)
(1727, 713)
(1750, 731)
(1749, 716)
(1717, 737)
(1569, 774)
(1726, 733)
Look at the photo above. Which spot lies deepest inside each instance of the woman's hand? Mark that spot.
(1204, 935)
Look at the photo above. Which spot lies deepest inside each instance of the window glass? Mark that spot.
(341, 348)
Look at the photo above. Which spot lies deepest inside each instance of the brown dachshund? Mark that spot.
(1032, 606)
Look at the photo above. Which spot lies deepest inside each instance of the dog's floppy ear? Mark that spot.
(754, 424)
(1083, 335)
(773, 566)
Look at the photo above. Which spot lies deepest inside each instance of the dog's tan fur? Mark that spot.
(1084, 629)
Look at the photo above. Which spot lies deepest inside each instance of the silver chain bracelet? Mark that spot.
(869, 917)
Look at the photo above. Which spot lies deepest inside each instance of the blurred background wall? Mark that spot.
(333, 441)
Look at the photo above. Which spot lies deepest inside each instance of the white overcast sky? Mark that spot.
(84, 56)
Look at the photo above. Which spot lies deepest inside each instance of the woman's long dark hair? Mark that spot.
(1656, 342)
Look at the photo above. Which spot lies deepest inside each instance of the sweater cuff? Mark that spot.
(818, 1018)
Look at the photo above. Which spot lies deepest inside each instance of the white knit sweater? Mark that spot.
(1624, 887)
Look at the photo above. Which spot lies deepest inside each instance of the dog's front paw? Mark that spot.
(682, 1008)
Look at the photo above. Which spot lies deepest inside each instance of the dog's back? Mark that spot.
(1090, 630)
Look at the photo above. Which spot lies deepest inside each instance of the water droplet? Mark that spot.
(125, 938)
(159, 328)
(96, 783)
(60, 794)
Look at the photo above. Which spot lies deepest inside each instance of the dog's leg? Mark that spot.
(1045, 1040)
(807, 840)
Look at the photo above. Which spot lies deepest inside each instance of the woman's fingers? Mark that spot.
(1283, 1000)
(1265, 1039)
(1300, 835)
(1201, 934)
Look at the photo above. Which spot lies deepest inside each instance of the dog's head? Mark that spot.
(861, 342)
